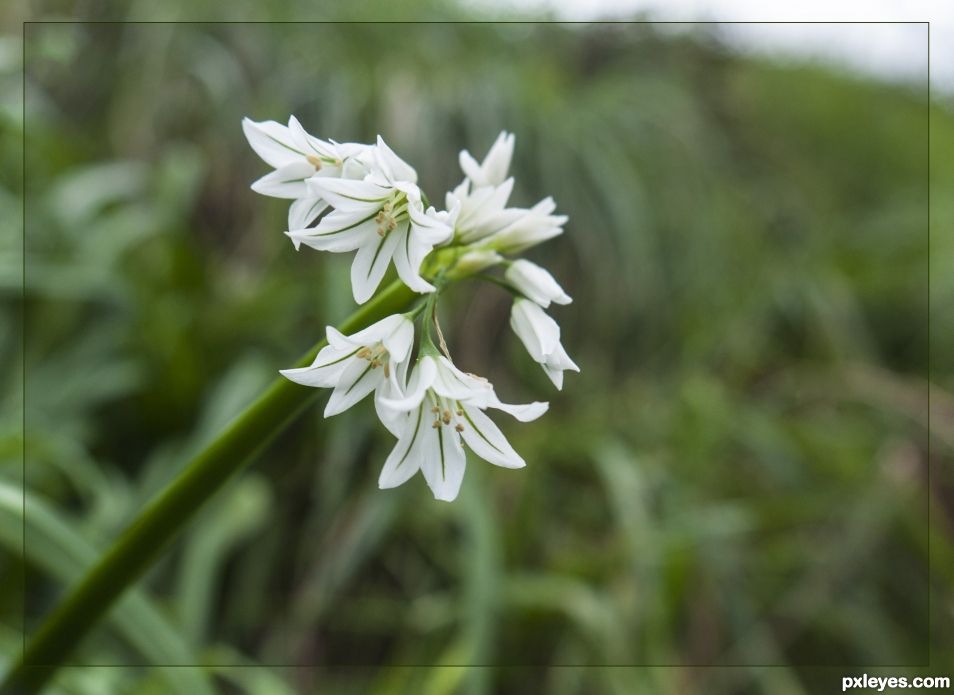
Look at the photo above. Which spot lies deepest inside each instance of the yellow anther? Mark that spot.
(460, 412)
(364, 353)
(314, 161)
(435, 410)
(447, 417)
(387, 370)
(459, 427)
(436, 424)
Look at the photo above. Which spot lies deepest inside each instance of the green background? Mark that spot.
(739, 477)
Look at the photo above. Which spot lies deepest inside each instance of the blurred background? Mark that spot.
(739, 477)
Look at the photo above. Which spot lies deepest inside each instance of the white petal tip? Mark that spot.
(295, 240)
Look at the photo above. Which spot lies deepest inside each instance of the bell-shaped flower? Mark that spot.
(356, 365)
(297, 157)
(535, 283)
(441, 409)
(540, 334)
(382, 218)
(493, 170)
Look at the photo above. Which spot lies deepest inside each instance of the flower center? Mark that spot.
(446, 412)
(393, 211)
(377, 355)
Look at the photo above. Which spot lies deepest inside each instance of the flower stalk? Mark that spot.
(148, 536)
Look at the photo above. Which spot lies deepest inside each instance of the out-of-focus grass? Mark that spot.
(738, 476)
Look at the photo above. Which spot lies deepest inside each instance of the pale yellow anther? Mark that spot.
(364, 353)
(314, 161)
(435, 410)
(436, 424)
(459, 427)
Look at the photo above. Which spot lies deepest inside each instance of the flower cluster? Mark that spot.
(365, 198)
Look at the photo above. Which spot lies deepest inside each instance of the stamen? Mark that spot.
(435, 410)
(459, 427)
(436, 424)
(387, 370)
(314, 161)
(447, 417)
(364, 353)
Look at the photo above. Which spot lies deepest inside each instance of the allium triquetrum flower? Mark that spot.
(441, 408)
(382, 217)
(356, 365)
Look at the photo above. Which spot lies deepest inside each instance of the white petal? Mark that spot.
(540, 333)
(403, 461)
(487, 441)
(536, 283)
(421, 379)
(357, 381)
(399, 339)
(407, 260)
(470, 167)
(304, 211)
(443, 461)
(556, 363)
(370, 264)
(524, 412)
(350, 195)
(394, 168)
(555, 375)
(308, 143)
(326, 370)
(451, 382)
(286, 182)
(391, 419)
(375, 333)
(272, 142)
(338, 241)
(497, 162)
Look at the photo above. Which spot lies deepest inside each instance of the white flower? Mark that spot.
(493, 170)
(382, 218)
(296, 157)
(356, 365)
(441, 408)
(535, 283)
(540, 334)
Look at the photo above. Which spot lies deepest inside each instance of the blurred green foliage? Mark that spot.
(739, 476)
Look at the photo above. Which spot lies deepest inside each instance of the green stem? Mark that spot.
(154, 529)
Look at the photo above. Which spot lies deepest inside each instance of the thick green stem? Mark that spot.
(153, 530)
